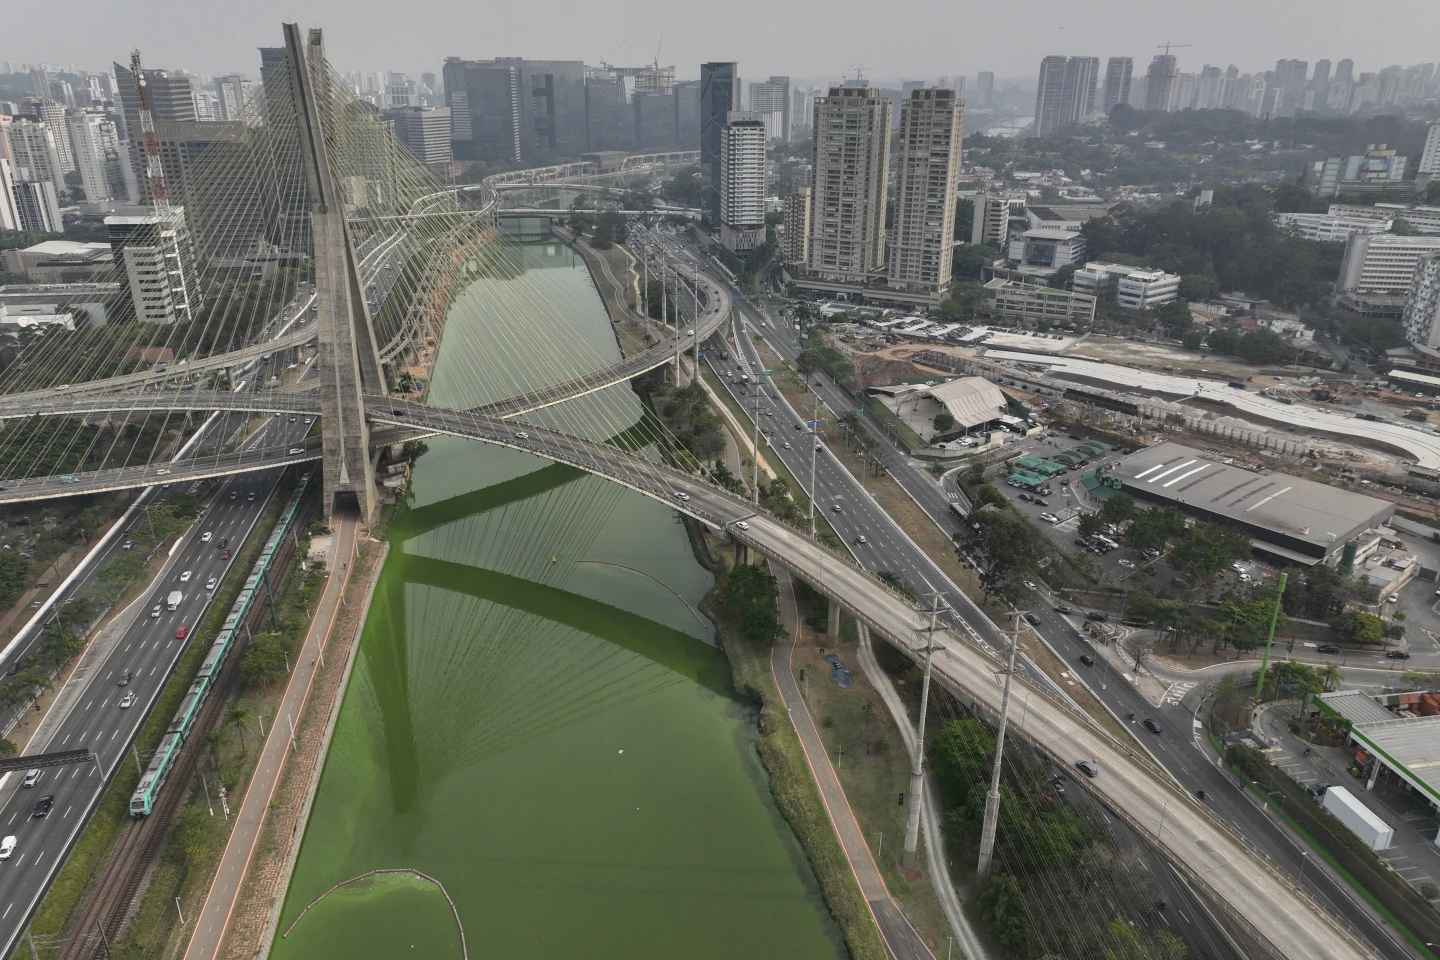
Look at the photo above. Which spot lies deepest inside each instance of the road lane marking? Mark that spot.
(67, 810)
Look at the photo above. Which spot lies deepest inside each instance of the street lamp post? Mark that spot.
(814, 456)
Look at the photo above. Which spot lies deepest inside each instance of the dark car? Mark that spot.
(1087, 768)
(1086, 659)
(1031, 619)
(224, 542)
(42, 809)
(124, 679)
(1398, 655)
(13, 669)
(1328, 648)
(1098, 615)
(1152, 726)
(1063, 608)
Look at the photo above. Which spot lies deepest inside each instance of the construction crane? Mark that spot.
(154, 172)
(1167, 45)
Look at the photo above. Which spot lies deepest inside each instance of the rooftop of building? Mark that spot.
(63, 248)
(1125, 269)
(1409, 743)
(1303, 509)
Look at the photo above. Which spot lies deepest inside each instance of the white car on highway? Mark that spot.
(185, 577)
(206, 537)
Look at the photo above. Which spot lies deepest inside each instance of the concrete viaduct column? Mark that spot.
(832, 625)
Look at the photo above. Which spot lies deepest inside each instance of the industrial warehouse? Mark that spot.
(1291, 519)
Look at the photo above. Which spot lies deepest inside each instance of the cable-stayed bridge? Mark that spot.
(312, 215)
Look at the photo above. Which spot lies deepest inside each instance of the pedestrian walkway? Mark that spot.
(901, 940)
(225, 888)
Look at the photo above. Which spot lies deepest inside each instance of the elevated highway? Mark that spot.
(1206, 851)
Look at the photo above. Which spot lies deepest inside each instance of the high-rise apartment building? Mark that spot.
(100, 158)
(1118, 72)
(742, 181)
(850, 163)
(1430, 156)
(1065, 92)
(795, 245)
(1383, 263)
(1160, 82)
(932, 124)
(1050, 96)
(425, 131)
(1289, 85)
(399, 92)
(231, 92)
(33, 153)
(52, 114)
(771, 99)
(36, 206)
(719, 94)
(1421, 319)
(159, 261)
(985, 88)
(993, 216)
(9, 216)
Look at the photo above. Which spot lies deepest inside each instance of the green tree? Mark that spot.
(749, 596)
(968, 260)
(1175, 319)
(944, 422)
(236, 717)
(1091, 524)
(8, 748)
(1118, 508)
(1192, 339)
(1362, 628)
(264, 661)
(898, 582)
(1206, 549)
(191, 826)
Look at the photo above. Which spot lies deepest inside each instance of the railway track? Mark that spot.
(115, 897)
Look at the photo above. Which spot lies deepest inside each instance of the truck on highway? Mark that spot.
(1362, 821)
(173, 600)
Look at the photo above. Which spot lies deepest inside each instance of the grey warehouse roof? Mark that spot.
(1411, 742)
(1356, 707)
(1298, 508)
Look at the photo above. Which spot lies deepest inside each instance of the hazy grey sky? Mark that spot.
(805, 38)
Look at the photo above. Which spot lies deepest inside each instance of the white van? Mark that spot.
(7, 847)
(32, 777)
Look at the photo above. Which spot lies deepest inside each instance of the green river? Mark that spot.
(552, 738)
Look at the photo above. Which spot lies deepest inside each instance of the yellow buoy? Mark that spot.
(552, 559)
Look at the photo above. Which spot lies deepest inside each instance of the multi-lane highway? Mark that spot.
(1185, 757)
(94, 716)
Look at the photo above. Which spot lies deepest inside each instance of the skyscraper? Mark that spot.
(52, 114)
(771, 98)
(1430, 156)
(1160, 82)
(1081, 73)
(1289, 85)
(1065, 92)
(932, 124)
(36, 206)
(9, 216)
(510, 108)
(98, 157)
(985, 88)
(742, 181)
(1117, 81)
(719, 94)
(1050, 96)
(33, 153)
(1345, 71)
(850, 160)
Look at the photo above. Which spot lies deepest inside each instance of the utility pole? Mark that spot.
(1270, 637)
(814, 456)
(697, 318)
(917, 769)
(992, 799)
(664, 309)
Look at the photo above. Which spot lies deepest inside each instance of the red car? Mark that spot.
(224, 554)
(182, 633)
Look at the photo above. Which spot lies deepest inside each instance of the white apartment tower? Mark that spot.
(1430, 156)
(1422, 307)
(850, 163)
(932, 124)
(34, 154)
(98, 156)
(742, 181)
(771, 99)
(36, 207)
(9, 215)
(52, 114)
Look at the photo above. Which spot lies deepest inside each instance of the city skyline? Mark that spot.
(224, 40)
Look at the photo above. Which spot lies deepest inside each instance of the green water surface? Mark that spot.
(552, 737)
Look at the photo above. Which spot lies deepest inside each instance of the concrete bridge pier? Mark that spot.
(832, 624)
(742, 551)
